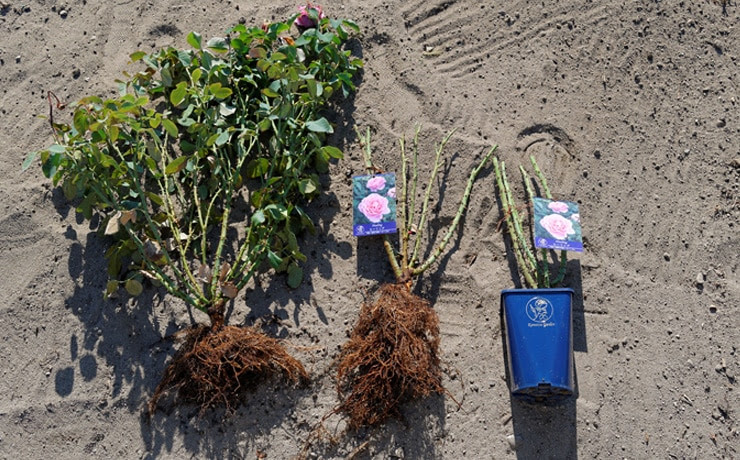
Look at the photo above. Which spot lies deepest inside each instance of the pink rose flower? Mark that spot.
(304, 20)
(376, 183)
(558, 206)
(558, 226)
(374, 207)
(576, 218)
(392, 192)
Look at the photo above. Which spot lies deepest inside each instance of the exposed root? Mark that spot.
(392, 357)
(214, 366)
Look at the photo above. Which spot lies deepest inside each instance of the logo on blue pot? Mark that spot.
(539, 310)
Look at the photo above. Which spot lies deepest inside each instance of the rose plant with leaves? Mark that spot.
(200, 169)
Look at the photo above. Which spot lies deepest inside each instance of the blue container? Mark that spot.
(539, 343)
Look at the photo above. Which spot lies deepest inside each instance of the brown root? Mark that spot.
(392, 357)
(214, 366)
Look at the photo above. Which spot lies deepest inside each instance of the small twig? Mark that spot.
(59, 106)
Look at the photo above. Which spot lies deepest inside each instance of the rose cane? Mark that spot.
(392, 355)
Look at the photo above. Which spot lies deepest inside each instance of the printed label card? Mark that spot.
(374, 204)
(557, 225)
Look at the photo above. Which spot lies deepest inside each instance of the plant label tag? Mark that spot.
(557, 225)
(374, 204)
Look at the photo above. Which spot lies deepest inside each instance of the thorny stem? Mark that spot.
(414, 180)
(156, 234)
(427, 195)
(563, 254)
(543, 270)
(405, 271)
(515, 242)
(518, 224)
(458, 215)
(158, 273)
(404, 210)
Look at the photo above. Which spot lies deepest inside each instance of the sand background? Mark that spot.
(632, 109)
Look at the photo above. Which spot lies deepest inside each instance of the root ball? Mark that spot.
(214, 366)
(392, 357)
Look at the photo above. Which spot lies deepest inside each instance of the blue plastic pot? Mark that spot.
(539, 342)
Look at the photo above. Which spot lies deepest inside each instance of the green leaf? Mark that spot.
(320, 126)
(277, 211)
(258, 218)
(80, 121)
(134, 287)
(218, 44)
(219, 91)
(176, 165)
(50, 166)
(184, 58)
(295, 275)
(29, 160)
(223, 138)
(270, 93)
(315, 89)
(257, 168)
(137, 56)
(226, 110)
(307, 186)
(274, 259)
(332, 152)
(111, 288)
(194, 40)
(178, 94)
(170, 127)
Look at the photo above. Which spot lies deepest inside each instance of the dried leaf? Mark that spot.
(169, 244)
(113, 226)
(152, 250)
(229, 290)
(204, 274)
(225, 267)
(127, 216)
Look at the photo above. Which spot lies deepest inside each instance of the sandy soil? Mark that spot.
(632, 109)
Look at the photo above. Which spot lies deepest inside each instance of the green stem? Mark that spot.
(414, 180)
(563, 254)
(518, 223)
(515, 242)
(456, 221)
(152, 226)
(404, 210)
(425, 206)
(543, 270)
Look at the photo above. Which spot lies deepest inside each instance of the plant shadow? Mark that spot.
(124, 332)
(218, 434)
(414, 436)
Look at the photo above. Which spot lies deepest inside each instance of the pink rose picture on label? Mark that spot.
(557, 225)
(374, 204)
